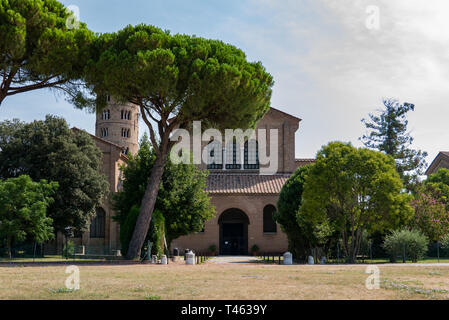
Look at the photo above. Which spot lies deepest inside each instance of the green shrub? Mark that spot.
(157, 233)
(410, 244)
(127, 229)
(70, 247)
(213, 248)
(255, 248)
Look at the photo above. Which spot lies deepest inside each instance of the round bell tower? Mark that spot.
(119, 123)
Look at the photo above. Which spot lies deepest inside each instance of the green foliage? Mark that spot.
(349, 190)
(445, 242)
(127, 228)
(255, 248)
(23, 206)
(301, 233)
(37, 48)
(50, 150)
(412, 243)
(388, 133)
(213, 248)
(441, 176)
(157, 233)
(365, 243)
(187, 76)
(431, 210)
(181, 199)
(68, 250)
(176, 79)
(440, 182)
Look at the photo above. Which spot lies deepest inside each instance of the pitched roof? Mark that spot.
(304, 162)
(245, 183)
(105, 141)
(285, 114)
(440, 161)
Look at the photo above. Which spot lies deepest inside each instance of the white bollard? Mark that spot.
(288, 258)
(311, 260)
(154, 259)
(164, 259)
(190, 258)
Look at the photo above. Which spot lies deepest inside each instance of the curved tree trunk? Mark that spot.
(146, 208)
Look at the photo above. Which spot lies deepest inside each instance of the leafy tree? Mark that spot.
(184, 205)
(38, 49)
(176, 79)
(431, 205)
(299, 231)
(51, 150)
(387, 133)
(23, 206)
(127, 228)
(155, 234)
(440, 181)
(354, 190)
(431, 212)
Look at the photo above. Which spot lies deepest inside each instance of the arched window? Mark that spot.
(106, 115)
(251, 155)
(104, 132)
(126, 151)
(214, 161)
(125, 133)
(269, 225)
(97, 225)
(233, 156)
(126, 115)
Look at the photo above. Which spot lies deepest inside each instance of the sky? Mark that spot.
(333, 61)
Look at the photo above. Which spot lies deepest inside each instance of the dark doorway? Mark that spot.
(233, 232)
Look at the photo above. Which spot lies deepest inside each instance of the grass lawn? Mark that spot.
(225, 281)
(365, 262)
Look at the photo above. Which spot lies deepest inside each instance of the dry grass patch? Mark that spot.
(225, 281)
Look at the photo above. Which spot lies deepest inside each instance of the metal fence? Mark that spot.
(34, 252)
(370, 253)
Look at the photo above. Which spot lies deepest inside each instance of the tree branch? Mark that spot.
(36, 86)
(150, 127)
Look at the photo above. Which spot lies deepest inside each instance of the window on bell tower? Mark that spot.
(106, 115)
(104, 132)
(126, 133)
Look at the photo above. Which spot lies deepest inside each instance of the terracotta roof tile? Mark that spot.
(304, 162)
(245, 183)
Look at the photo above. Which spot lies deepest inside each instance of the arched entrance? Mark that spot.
(233, 232)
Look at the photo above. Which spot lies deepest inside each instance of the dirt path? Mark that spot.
(233, 259)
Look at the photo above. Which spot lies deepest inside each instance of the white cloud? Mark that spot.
(331, 70)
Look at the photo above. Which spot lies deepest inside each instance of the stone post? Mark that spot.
(154, 259)
(288, 258)
(311, 260)
(190, 258)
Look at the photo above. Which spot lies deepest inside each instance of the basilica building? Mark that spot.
(244, 199)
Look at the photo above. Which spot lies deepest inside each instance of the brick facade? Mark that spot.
(244, 190)
(249, 194)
